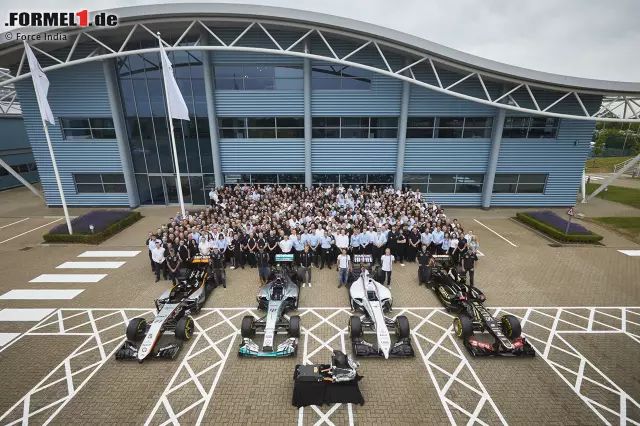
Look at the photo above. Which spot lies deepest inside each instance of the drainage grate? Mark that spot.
(25, 248)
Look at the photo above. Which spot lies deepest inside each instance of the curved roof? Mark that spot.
(313, 18)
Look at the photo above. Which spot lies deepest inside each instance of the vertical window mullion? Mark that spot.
(517, 183)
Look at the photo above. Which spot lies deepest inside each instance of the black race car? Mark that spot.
(447, 284)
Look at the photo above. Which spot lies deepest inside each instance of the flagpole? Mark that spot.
(53, 157)
(173, 138)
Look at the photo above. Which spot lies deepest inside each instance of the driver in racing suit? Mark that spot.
(425, 263)
(217, 267)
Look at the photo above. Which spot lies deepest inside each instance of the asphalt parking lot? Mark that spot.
(580, 307)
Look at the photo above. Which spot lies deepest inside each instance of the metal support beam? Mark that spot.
(113, 92)
(614, 177)
(402, 130)
(20, 178)
(209, 91)
(490, 175)
(308, 176)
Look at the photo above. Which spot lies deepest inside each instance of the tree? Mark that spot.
(599, 146)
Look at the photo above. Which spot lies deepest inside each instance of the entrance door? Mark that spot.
(171, 189)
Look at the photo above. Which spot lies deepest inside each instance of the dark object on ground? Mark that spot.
(554, 226)
(106, 223)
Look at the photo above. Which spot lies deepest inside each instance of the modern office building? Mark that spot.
(291, 97)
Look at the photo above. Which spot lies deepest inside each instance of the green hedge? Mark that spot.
(554, 233)
(110, 231)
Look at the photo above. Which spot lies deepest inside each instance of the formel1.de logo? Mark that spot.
(61, 19)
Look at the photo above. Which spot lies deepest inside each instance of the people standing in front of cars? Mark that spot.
(251, 250)
(392, 241)
(298, 246)
(262, 259)
(306, 260)
(424, 259)
(401, 244)
(173, 262)
(414, 241)
(157, 254)
(344, 266)
(355, 242)
(325, 249)
(379, 241)
(272, 245)
(217, 267)
(469, 260)
(151, 244)
(387, 266)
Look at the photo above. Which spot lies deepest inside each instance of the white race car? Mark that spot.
(374, 300)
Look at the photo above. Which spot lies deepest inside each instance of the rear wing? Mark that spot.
(200, 259)
(362, 258)
(284, 257)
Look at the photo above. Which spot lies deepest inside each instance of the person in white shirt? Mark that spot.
(157, 255)
(344, 267)
(204, 246)
(387, 265)
(285, 245)
(320, 232)
(213, 197)
(342, 240)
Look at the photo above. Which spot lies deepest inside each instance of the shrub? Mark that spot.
(106, 224)
(554, 226)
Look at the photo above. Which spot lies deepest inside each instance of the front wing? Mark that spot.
(129, 351)
(400, 349)
(477, 348)
(251, 349)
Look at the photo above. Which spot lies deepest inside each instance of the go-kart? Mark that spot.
(174, 308)
(278, 295)
(374, 300)
(447, 284)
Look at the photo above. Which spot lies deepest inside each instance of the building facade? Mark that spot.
(264, 117)
(15, 151)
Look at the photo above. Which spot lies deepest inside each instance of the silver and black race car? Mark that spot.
(277, 296)
(174, 309)
(374, 300)
(447, 284)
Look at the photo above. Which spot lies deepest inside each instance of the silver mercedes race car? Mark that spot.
(374, 300)
(278, 295)
(175, 307)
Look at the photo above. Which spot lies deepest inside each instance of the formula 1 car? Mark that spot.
(174, 308)
(447, 284)
(278, 295)
(506, 331)
(373, 300)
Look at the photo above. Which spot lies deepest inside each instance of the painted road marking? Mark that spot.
(597, 177)
(7, 337)
(41, 294)
(91, 265)
(68, 278)
(24, 314)
(480, 223)
(26, 218)
(630, 252)
(109, 254)
(34, 229)
(480, 254)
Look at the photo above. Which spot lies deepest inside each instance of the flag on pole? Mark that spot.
(41, 85)
(177, 105)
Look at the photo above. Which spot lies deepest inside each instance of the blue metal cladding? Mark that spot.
(257, 103)
(79, 91)
(14, 135)
(562, 159)
(262, 155)
(354, 155)
(383, 99)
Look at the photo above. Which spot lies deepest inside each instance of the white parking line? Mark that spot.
(68, 278)
(90, 265)
(7, 337)
(480, 254)
(34, 229)
(110, 254)
(11, 315)
(630, 252)
(480, 223)
(40, 294)
(22, 220)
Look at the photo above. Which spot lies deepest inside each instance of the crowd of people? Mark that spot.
(247, 226)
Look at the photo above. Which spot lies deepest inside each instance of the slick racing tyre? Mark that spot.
(463, 326)
(355, 327)
(136, 329)
(184, 328)
(402, 327)
(511, 326)
(294, 326)
(248, 329)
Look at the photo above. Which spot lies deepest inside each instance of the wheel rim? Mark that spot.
(457, 326)
(188, 329)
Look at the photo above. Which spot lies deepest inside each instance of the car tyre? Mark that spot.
(248, 329)
(355, 327)
(136, 329)
(185, 328)
(403, 329)
(463, 326)
(294, 326)
(511, 326)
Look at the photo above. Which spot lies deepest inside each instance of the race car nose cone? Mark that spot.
(385, 352)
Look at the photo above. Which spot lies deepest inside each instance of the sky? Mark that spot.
(582, 38)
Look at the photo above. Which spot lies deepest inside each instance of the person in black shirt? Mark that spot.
(183, 252)
(392, 242)
(412, 246)
(241, 249)
(262, 259)
(458, 253)
(425, 263)
(401, 244)
(272, 245)
(193, 248)
(469, 259)
(306, 259)
(173, 262)
(231, 251)
(251, 250)
(217, 267)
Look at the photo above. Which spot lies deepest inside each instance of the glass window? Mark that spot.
(441, 178)
(290, 133)
(325, 133)
(531, 188)
(113, 178)
(228, 71)
(442, 188)
(230, 122)
(325, 71)
(544, 122)
(504, 188)
(450, 122)
(355, 121)
(353, 178)
(288, 72)
(291, 178)
(75, 123)
(261, 122)
(263, 178)
(232, 133)
(111, 188)
(231, 179)
(289, 84)
(101, 123)
(143, 190)
(380, 178)
(356, 84)
(325, 121)
(325, 83)
(256, 133)
(325, 178)
(383, 133)
(355, 72)
(77, 133)
(290, 121)
(103, 133)
(531, 178)
(89, 189)
(469, 184)
(352, 133)
(228, 84)
(420, 122)
(415, 178)
(478, 122)
(542, 132)
(504, 178)
(420, 133)
(449, 133)
(477, 133)
(258, 71)
(258, 84)
(384, 122)
(87, 178)
(514, 132)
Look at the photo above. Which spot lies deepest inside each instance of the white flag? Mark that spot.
(177, 105)
(40, 84)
